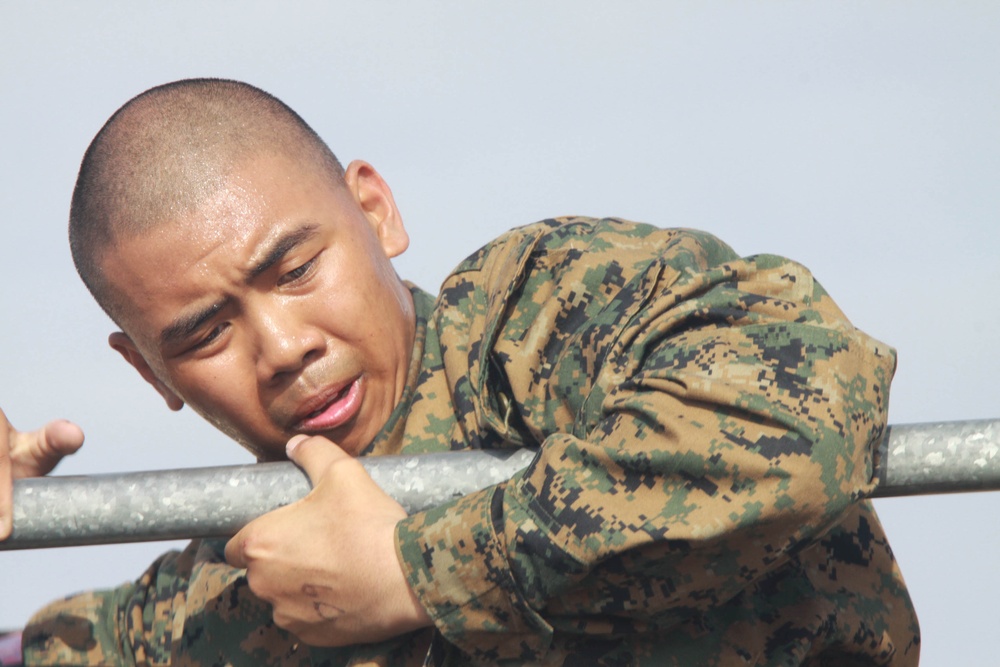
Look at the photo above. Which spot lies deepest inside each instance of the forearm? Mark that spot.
(82, 629)
(177, 607)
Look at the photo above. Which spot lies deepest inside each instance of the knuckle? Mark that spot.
(249, 545)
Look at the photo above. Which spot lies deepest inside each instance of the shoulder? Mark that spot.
(597, 241)
(555, 263)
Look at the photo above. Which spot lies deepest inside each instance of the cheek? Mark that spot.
(221, 392)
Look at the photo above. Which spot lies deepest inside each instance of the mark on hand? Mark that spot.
(327, 611)
(324, 610)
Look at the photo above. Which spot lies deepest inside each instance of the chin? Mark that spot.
(264, 452)
(268, 457)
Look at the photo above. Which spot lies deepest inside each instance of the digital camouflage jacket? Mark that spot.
(707, 427)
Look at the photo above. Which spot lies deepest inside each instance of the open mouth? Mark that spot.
(337, 410)
(326, 406)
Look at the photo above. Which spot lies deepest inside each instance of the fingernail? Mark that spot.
(294, 442)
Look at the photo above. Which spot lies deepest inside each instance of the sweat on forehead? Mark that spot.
(167, 150)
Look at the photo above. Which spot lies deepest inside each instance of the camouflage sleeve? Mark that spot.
(133, 624)
(188, 608)
(725, 421)
(82, 629)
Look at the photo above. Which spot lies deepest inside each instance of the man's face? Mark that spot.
(273, 308)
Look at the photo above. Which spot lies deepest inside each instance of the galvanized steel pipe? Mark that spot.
(208, 502)
(942, 457)
(213, 502)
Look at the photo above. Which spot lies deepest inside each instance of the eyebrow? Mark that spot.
(186, 325)
(280, 247)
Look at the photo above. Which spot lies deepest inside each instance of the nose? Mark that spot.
(286, 342)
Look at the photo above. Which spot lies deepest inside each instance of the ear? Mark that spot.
(120, 342)
(373, 195)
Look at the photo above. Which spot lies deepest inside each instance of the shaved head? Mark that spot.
(168, 150)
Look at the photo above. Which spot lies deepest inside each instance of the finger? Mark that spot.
(234, 551)
(6, 500)
(6, 474)
(63, 437)
(243, 547)
(314, 454)
(41, 450)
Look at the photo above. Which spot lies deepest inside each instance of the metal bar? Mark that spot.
(213, 502)
(915, 459)
(942, 457)
(159, 504)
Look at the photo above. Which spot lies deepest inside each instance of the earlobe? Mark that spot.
(373, 195)
(121, 343)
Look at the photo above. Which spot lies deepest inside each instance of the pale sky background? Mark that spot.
(862, 139)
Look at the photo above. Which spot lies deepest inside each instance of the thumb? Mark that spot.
(314, 454)
(44, 448)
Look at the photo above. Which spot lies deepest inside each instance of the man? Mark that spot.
(706, 423)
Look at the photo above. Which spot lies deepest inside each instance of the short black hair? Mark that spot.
(167, 149)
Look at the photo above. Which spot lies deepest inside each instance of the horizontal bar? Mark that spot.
(214, 502)
(914, 459)
(941, 457)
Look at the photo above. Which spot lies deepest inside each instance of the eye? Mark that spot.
(210, 337)
(297, 273)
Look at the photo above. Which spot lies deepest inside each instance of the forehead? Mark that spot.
(231, 193)
(200, 248)
(252, 198)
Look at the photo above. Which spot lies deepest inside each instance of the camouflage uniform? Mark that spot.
(707, 426)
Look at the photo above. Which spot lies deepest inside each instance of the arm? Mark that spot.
(81, 629)
(729, 427)
(188, 607)
(191, 607)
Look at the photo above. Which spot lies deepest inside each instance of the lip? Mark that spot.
(330, 409)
